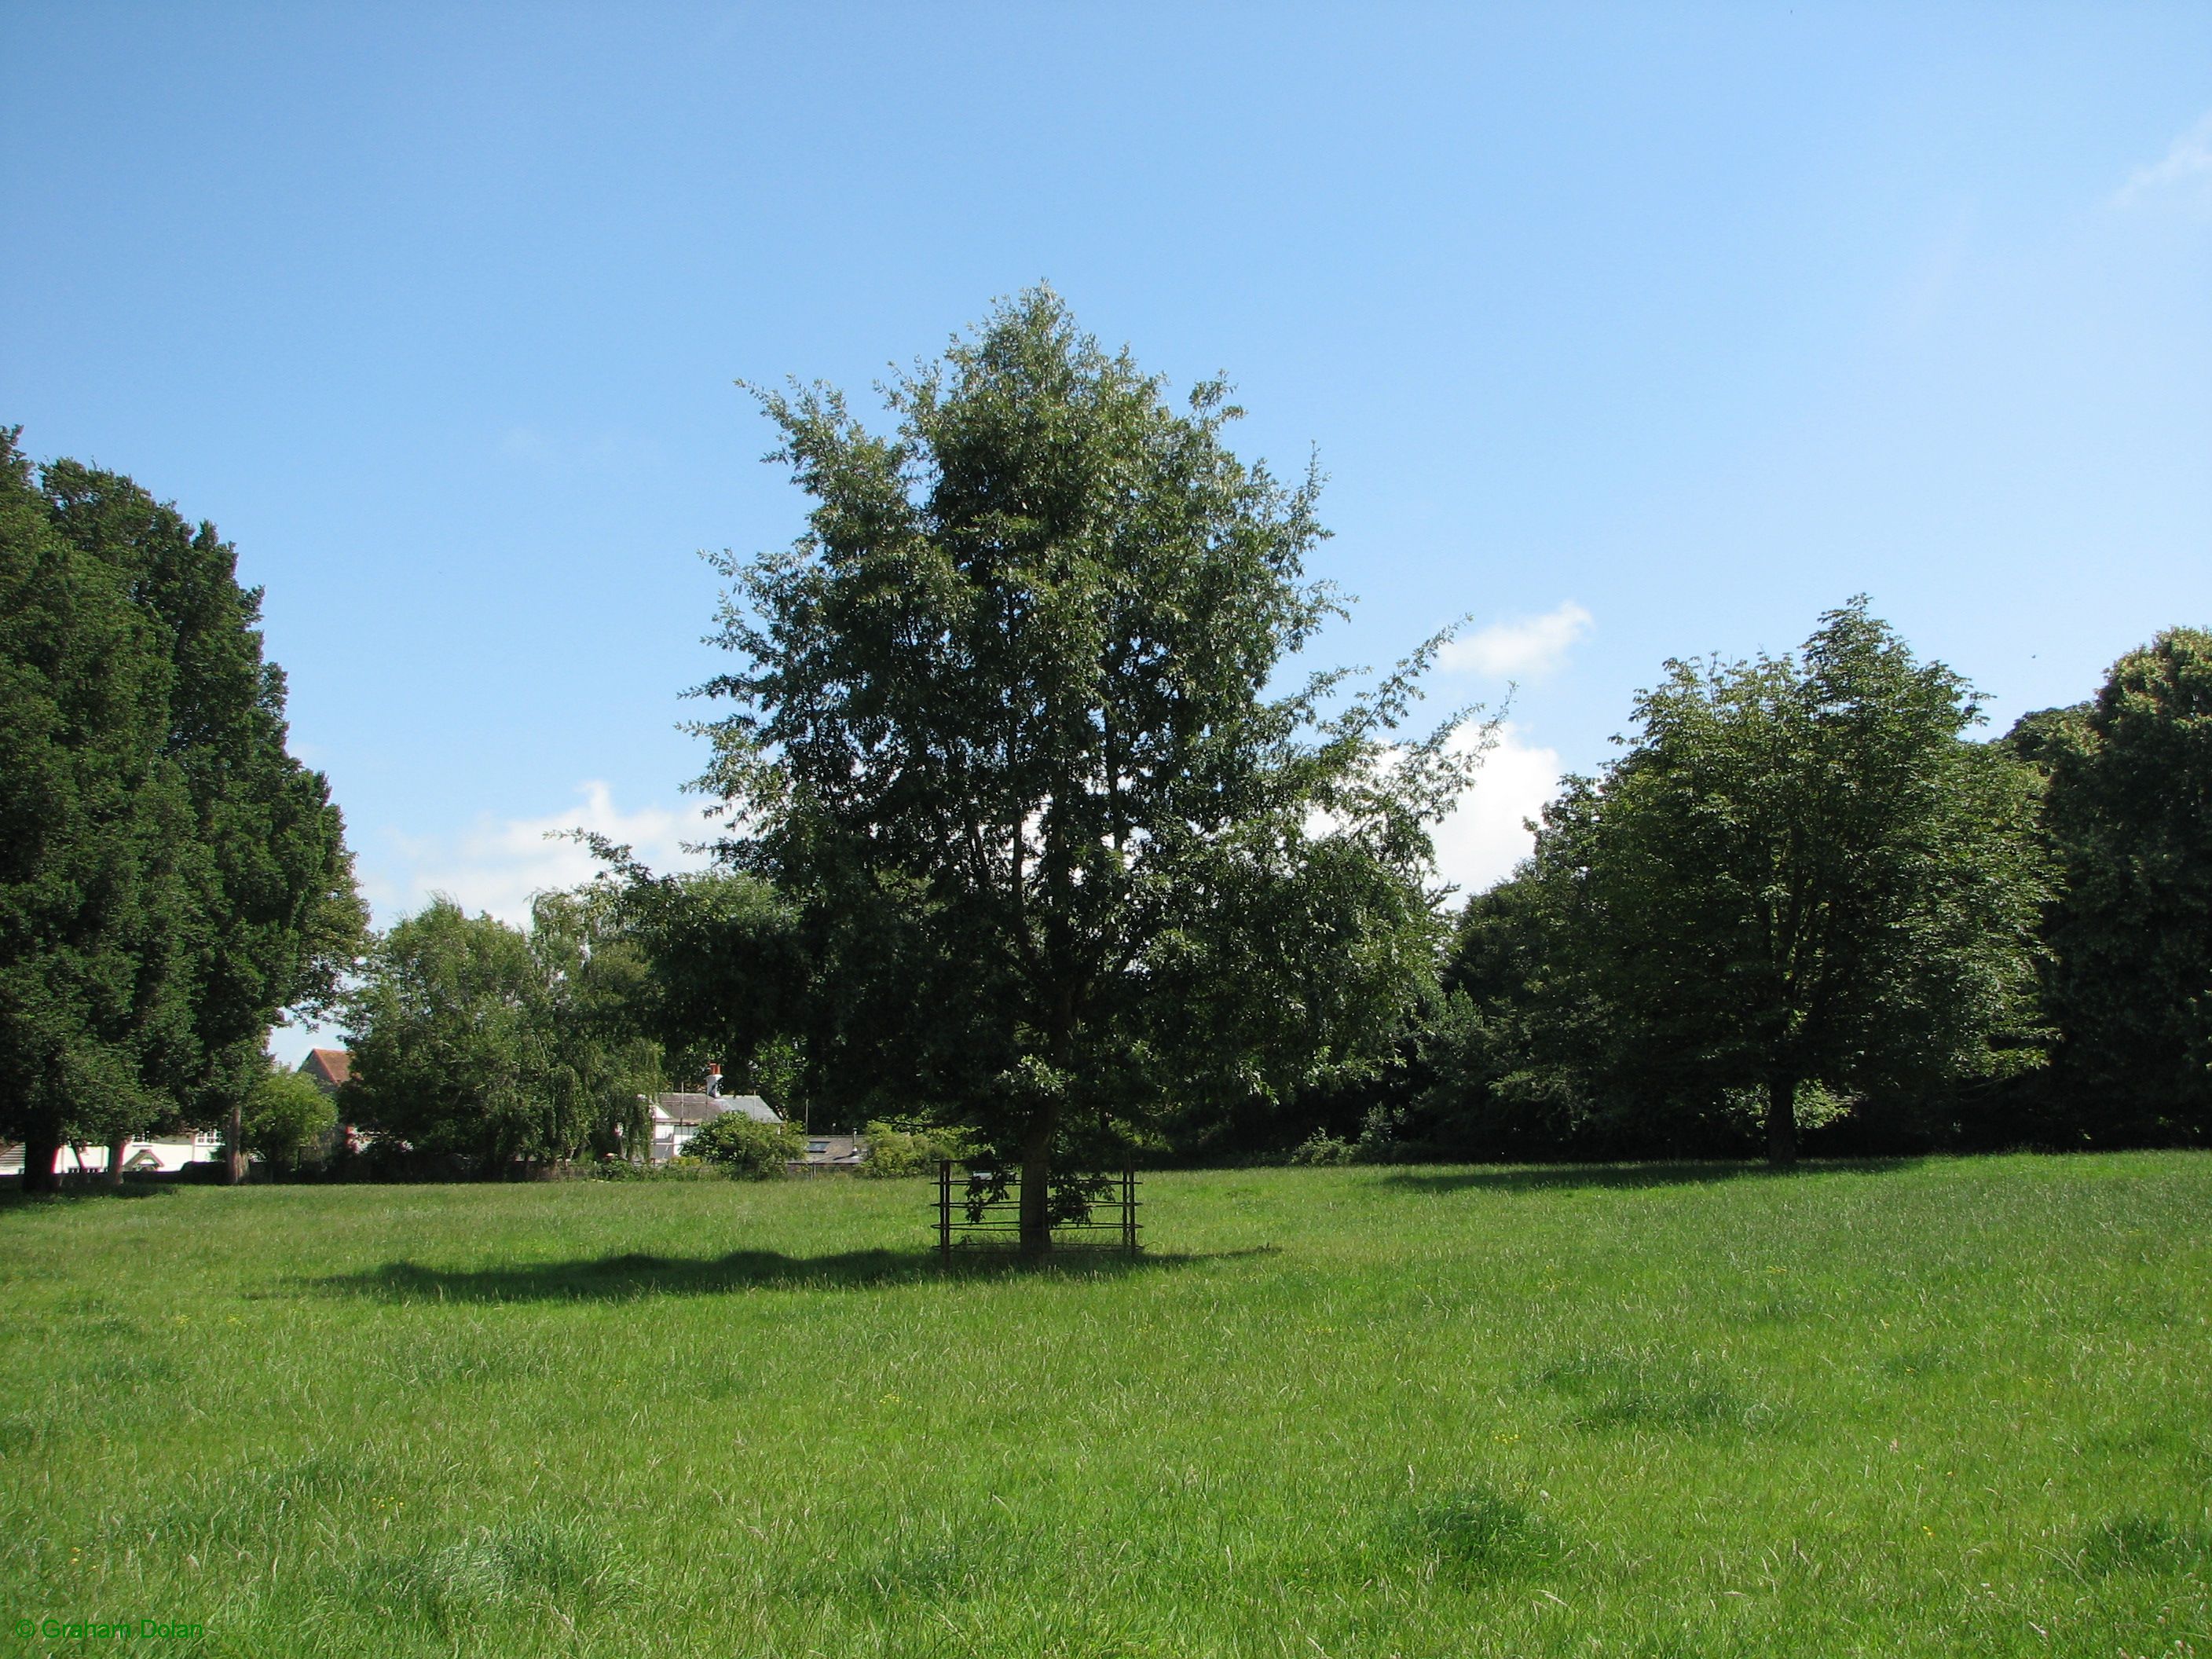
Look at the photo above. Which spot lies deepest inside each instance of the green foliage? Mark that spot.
(449, 1050)
(909, 1146)
(178, 881)
(595, 986)
(2131, 811)
(722, 975)
(745, 1146)
(286, 1117)
(475, 1041)
(1799, 885)
(1322, 1150)
(95, 907)
(1053, 861)
(274, 918)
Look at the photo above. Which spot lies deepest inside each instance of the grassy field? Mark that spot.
(1955, 1407)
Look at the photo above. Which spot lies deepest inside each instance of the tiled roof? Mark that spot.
(698, 1108)
(330, 1066)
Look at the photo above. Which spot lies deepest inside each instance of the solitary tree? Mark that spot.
(1801, 872)
(1004, 740)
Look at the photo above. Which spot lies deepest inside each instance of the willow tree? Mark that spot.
(1003, 738)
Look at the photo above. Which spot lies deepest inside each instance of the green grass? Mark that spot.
(1949, 1407)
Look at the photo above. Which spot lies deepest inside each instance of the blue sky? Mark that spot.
(1630, 331)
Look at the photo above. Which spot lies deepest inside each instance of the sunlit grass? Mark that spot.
(1956, 1408)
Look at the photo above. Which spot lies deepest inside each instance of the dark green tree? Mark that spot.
(446, 1032)
(2131, 811)
(477, 1042)
(1005, 742)
(95, 912)
(1801, 875)
(1493, 1075)
(273, 916)
(721, 975)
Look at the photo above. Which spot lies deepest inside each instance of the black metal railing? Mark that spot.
(979, 1208)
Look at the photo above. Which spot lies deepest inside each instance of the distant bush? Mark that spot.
(746, 1148)
(907, 1146)
(1322, 1148)
(676, 1169)
(287, 1118)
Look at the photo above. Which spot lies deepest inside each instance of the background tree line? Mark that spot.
(1802, 876)
(1029, 836)
(1020, 844)
(1803, 908)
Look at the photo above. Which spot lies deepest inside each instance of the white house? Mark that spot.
(677, 1117)
(163, 1156)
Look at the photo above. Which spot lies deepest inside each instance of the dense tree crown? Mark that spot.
(1004, 736)
(481, 1045)
(2131, 812)
(177, 879)
(1799, 877)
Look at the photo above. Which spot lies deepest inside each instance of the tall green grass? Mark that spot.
(1952, 1408)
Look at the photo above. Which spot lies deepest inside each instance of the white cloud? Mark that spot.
(2186, 168)
(1477, 846)
(496, 863)
(1530, 646)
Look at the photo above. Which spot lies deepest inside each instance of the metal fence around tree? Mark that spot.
(979, 1208)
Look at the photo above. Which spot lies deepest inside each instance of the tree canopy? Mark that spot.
(1800, 875)
(2130, 813)
(481, 1046)
(1005, 737)
(181, 879)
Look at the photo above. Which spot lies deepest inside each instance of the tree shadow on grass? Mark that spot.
(1548, 1177)
(72, 1191)
(623, 1278)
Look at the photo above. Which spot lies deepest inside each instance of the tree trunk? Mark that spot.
(233, 1144)
(40, 1149)
(116, 1149)
(1782, 1123)
(1036, 1185)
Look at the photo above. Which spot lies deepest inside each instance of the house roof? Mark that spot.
(835, 1149)
(328, 1066)
(698, 1108)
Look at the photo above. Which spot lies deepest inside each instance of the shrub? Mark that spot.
(1322, 1147)
(907, 1146)
(286, 1117)
(747, 1148)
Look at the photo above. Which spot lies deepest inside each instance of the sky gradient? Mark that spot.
(1628, 333)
